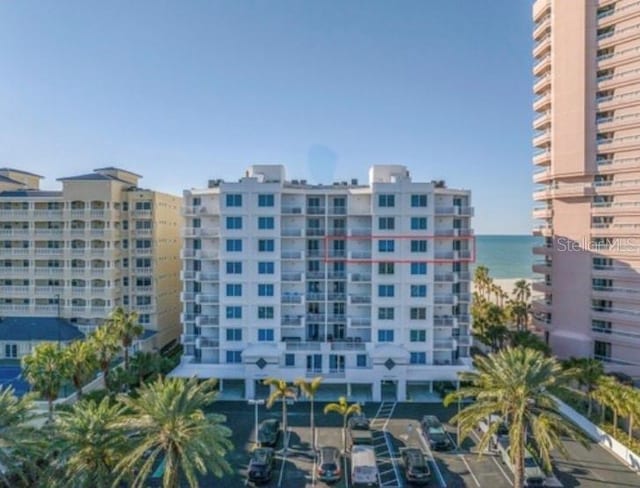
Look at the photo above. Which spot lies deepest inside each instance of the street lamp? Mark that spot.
(58, 304)
(256, 403)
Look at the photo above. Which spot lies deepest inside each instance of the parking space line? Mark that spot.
(477, 438)
(425, 444)
(464, 460)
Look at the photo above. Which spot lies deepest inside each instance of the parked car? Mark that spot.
(533, 475)
(435, 434)
(269, 432)
(364, 470)
(360, 437)
(416, 469)
(329, 464)
(359, 421)
(261, 465)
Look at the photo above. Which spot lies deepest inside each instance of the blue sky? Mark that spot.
(185, 91)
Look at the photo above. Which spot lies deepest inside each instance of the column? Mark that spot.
(377, 391)
(249, 389)
(401, 391)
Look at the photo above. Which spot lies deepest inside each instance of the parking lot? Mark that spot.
(295, 467)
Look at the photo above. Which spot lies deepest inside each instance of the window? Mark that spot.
(234, 267)
(266, 267)
(234, 290)
(143, 205)
(234, 245)
(143, 263)
(265, 335)
(386, 223)
(418, 313)
(602, 350)
(234, 312)
(386, 245)
(418, 268)
(11, 350)
(266, 245)
(418, 223)
(418, 358)
(140, 244)
(234, 357)
(385, 313)
(265, 290)
(418, 335)
(234, 223)
(386, 200)
(361, 360)
(143, 300)
(234, 334)
(418, 200)
(385, 335)
(265, 312)
(144, 318)
(386, 268)
(266, 223)
(266, 200)
(197, 201)
(418, 290)
(386, 290)
(289, 360)
(234, 200)
(419, 245)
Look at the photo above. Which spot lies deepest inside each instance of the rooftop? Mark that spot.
(6, 179)
(93, 177)
(20, 171)
(37, 329)
(30, 194)
(113, 168)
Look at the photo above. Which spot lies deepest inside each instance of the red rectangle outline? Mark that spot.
(372, 237)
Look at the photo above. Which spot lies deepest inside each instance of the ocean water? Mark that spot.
(506, 256)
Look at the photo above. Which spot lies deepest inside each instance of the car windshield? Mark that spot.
(529, 462)
(329, 466)
(436, 430)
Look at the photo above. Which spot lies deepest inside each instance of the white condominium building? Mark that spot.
(365, 285)
(77, 253)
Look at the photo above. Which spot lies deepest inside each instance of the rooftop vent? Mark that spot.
(354, 181)
(303, 182)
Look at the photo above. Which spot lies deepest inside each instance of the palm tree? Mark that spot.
(309, 389)
(144, 364)
(15, 436)
(105, 343)
(526, 338)
(83, 363)
(522, 291)
(126, 326)
(346, 410)
(89, 443)
(587, 372)
(280, 390)
(515, 384)
(172, 428)
(631, 407)
(46, 369)
(481, 280)
(608, 393)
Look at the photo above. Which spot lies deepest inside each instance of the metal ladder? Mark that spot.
(382, 444)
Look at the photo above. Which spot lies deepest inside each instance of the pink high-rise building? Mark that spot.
(587, 166)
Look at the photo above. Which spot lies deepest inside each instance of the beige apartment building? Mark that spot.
(587, 166)
(76, 254)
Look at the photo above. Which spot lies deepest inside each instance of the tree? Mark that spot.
(309, 389)
(515, 384)
(83, 363)
(170, 426)
(587, 372)
(15, 436)
(89, 443)
(280, 390)
(105, 343)
(145, 364)
(346, 410)
(127, 329)
(46, 369)
(482, 280)
(527, 339)
(522, 291)
(609, 393)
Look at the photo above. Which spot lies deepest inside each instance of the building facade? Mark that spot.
(587, 160)
(77, 253)
(365, 285)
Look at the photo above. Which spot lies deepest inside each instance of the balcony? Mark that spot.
(207, 298)
(445, 299)
(542, 213)
(619, 143)
(541, 26)
(291, 298)
(360, 232)
(542, 101)
(607, 102)
(542, 45)
(292, 277)
(542, 120)
(617, 13)
(446, 321)
(292, 320)
(443, 344)
(543, 267)
(303, 346)
(360, 255)
(291, 232)
(541, 286)
(207, 276)
(291, 210)
(348, 345)
(359, 321)
(542, 64)
(445, 277)
(615, 208)
(616, 293)
(543, 250)
(316, 210)
(617, 186)
(359, 277)
(542, 157)
(615, 230)
(459, 210)
(207, 342)
(359, 299)
(207, 321)
(544, 306)
(292, 255)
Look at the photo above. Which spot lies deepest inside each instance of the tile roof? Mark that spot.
(37, 329)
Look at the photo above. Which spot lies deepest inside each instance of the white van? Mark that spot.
(364, 471)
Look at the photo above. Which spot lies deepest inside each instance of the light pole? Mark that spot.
(58, 304)
(256, 403)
